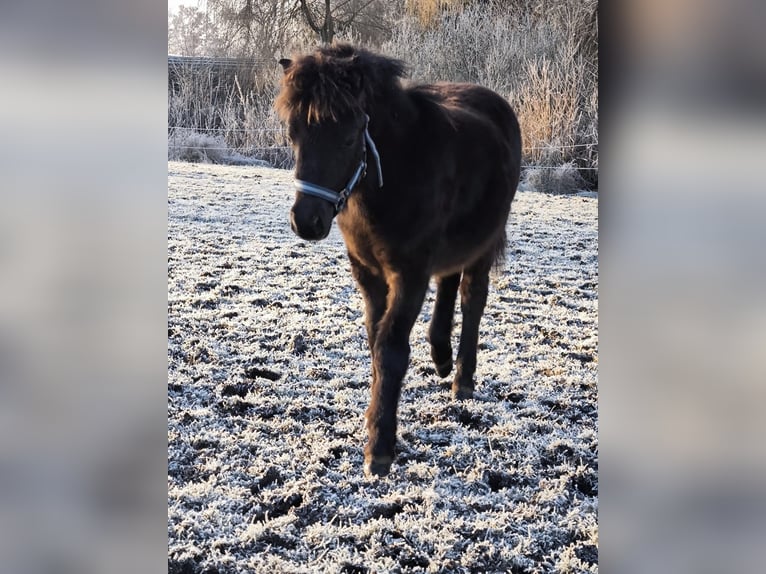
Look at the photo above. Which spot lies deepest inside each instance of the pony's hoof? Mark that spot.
(462, 393)
(380, 466)
(444, 369)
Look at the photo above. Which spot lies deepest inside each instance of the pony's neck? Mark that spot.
(391, 120)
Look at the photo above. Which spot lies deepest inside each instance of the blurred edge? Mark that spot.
(83, 287)
(683, 304)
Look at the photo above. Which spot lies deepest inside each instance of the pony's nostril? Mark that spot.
(316, 223)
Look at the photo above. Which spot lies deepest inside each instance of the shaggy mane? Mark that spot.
(335, 80)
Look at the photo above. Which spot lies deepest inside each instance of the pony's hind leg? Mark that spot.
(473, 297)
(440, 330)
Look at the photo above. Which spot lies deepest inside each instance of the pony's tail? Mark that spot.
(499, 252)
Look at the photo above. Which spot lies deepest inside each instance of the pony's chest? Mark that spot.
(361, 241)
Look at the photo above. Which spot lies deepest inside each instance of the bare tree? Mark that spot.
(255, 29)
(327, 18)
(275, 22)
(265, 29)
(187, 31)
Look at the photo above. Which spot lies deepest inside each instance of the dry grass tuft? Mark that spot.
(195, 147)
(556, 180)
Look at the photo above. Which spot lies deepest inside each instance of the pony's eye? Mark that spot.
(349, 142)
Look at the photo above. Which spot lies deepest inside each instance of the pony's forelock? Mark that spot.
(334, 81)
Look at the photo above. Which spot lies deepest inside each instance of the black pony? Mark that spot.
(421, 179)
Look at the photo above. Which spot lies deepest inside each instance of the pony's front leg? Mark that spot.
(390, 359)
(374, 292)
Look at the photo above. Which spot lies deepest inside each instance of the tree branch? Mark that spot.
(356, 12)
(340, 6)
(307, 14)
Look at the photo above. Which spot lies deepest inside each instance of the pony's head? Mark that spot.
(325, 100)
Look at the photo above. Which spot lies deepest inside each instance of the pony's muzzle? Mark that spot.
(309, 224)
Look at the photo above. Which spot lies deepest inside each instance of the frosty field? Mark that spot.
(268, 380)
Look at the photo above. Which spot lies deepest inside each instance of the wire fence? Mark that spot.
(216, 62)
(285, 159)
(174, 131)
(266, 130)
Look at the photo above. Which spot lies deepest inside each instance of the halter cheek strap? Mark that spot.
(338, 198)
(375, 154)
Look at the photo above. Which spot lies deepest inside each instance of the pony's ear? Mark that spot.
(285, 63)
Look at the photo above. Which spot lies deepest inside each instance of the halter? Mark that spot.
(339, 198)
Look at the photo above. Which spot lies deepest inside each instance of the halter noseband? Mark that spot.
(338, 198)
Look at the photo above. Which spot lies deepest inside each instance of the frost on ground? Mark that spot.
(268, 374)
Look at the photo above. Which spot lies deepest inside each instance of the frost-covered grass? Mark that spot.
(268, 374)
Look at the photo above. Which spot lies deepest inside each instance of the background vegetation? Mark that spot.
(539, 54)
